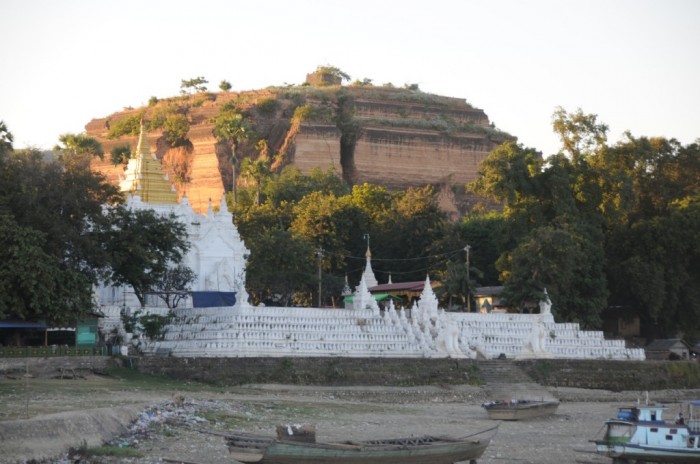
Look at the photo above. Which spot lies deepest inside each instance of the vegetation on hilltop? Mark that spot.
(274, 115)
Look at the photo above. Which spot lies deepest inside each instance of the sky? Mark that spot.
(633, 63)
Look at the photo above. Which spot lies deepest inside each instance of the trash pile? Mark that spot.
(159, 419)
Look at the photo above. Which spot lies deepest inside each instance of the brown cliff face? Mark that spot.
(397, 138)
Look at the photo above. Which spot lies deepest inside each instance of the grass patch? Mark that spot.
(110, 450)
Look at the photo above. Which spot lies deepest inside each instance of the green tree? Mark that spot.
(554, 222)
(231, 128)
(120, 154)
(508, 176)
(6, 138)
(195, 84)
(225, 86)
(327, 76)
(142, 247)
(78, 150)
(129, 125)
(51, 218)
(35, 285)
(257, 171)
(408, 233)
(280, 266)
(580, 134)
(568, 263)
(176, 127)
(332, 224)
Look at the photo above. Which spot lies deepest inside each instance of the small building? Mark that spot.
(669, 348)
(488, 299)
(407, 292)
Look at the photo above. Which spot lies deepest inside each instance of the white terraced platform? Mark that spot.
(365, 331)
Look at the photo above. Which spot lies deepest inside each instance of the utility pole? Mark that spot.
(234, 187)
(469, 304)
(319, 252)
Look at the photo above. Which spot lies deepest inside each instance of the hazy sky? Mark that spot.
(634, 63)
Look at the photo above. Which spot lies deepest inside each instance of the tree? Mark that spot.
(580, 133)
(120, 154)
(567, 261)
(230, 127)
(225, 86)
(129, 125)
(176, 127)
(257, 171)
(195, 84)
(142, 247)
(333, 224)
(33, 284)
(554, 222)
(78, 150)
(6, 138)
(407, 234)
(175, 285)
(50, 223)
(508, 175)
(281, 265)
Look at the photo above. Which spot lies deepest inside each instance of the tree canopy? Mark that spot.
(64, 230)
(600, 225)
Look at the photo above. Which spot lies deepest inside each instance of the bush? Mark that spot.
(130, 125)
(268, 106)
(304, 113)
(176, 127)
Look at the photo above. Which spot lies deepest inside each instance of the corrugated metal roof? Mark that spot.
(665, 344)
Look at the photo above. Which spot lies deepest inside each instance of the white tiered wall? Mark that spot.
(366, 331)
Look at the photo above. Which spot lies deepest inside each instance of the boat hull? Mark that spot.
(286, 453)
(414, 450)
(521, 411)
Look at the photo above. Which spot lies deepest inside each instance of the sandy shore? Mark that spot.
(191, 432)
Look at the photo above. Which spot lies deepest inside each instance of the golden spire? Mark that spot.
(144, 176)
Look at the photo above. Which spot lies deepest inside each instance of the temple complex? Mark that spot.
(361, 329)
(217, 256)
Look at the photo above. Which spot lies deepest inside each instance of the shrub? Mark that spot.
(268, 106)
(130, 125)
(304, 113)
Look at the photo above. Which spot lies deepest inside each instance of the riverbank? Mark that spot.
(184, 422)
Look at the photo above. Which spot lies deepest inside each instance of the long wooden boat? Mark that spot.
(640, 434)
(248, 448)
(519, 409)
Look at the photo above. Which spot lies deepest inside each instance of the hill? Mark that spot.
(387, 136)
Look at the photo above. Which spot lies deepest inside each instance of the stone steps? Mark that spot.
(504, 380)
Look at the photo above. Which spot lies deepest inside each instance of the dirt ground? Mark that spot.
(187, 425)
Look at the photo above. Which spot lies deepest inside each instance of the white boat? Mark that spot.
(640, 434)
(519, 409)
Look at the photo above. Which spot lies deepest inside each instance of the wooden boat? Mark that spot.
(640, 434)
(519, 409)
(248, 448)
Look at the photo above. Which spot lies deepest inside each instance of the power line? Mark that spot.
(450, 253)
